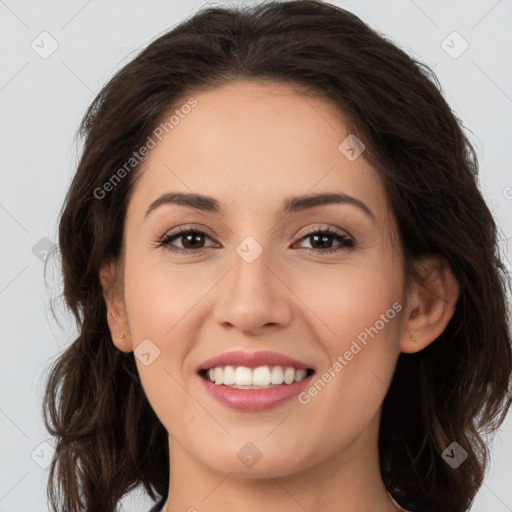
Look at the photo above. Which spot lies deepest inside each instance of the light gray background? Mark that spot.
(41, 104)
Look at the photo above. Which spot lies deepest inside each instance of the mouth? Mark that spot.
(254, 381)
(261, 377)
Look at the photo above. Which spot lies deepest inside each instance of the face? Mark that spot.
(255, 278)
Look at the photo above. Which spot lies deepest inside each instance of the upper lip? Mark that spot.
(253, 360)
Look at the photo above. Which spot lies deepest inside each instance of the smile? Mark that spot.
(262, 377)
(254, 381)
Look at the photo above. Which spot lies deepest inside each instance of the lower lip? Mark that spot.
(255, 399)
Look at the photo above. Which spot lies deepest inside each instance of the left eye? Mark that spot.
(320, 237)
(191, 238)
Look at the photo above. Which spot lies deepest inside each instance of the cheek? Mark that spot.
(162, 317)
(361, 322)
(347, 299)
(365, 311)
(160, 307)
(160, 297)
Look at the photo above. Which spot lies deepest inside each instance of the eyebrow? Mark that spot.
(289, 205)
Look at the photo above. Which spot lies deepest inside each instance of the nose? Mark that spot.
(253, 297)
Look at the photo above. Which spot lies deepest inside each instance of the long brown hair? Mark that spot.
(109, 440)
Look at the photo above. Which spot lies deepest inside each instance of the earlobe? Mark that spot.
(431, 305)
(116, 315)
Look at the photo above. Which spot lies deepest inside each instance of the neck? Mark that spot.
(348, 480)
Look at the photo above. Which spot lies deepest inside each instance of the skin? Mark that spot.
(268, 142)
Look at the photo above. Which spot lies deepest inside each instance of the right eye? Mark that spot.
(191, 237)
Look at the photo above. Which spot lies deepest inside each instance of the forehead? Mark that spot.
(249, 144)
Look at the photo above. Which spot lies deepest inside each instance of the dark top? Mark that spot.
(159, 505)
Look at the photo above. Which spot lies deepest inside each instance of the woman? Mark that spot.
(287, 282)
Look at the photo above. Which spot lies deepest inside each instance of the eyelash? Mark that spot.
(347, 243)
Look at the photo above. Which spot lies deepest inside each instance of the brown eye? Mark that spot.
(321, 241)
(192, 240)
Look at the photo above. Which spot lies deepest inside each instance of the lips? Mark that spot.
(254, 381)
(253, 360)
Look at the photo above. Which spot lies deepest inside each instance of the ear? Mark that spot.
(116, 312)
(430, 304)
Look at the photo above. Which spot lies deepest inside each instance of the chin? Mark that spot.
(250, 462)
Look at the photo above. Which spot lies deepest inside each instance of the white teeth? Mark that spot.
(289, 375)
(277, 375)
(243, 376)
(229, 376)
(300, 374)
(261, 377)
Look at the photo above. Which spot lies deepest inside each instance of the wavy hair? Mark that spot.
(109, 440)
